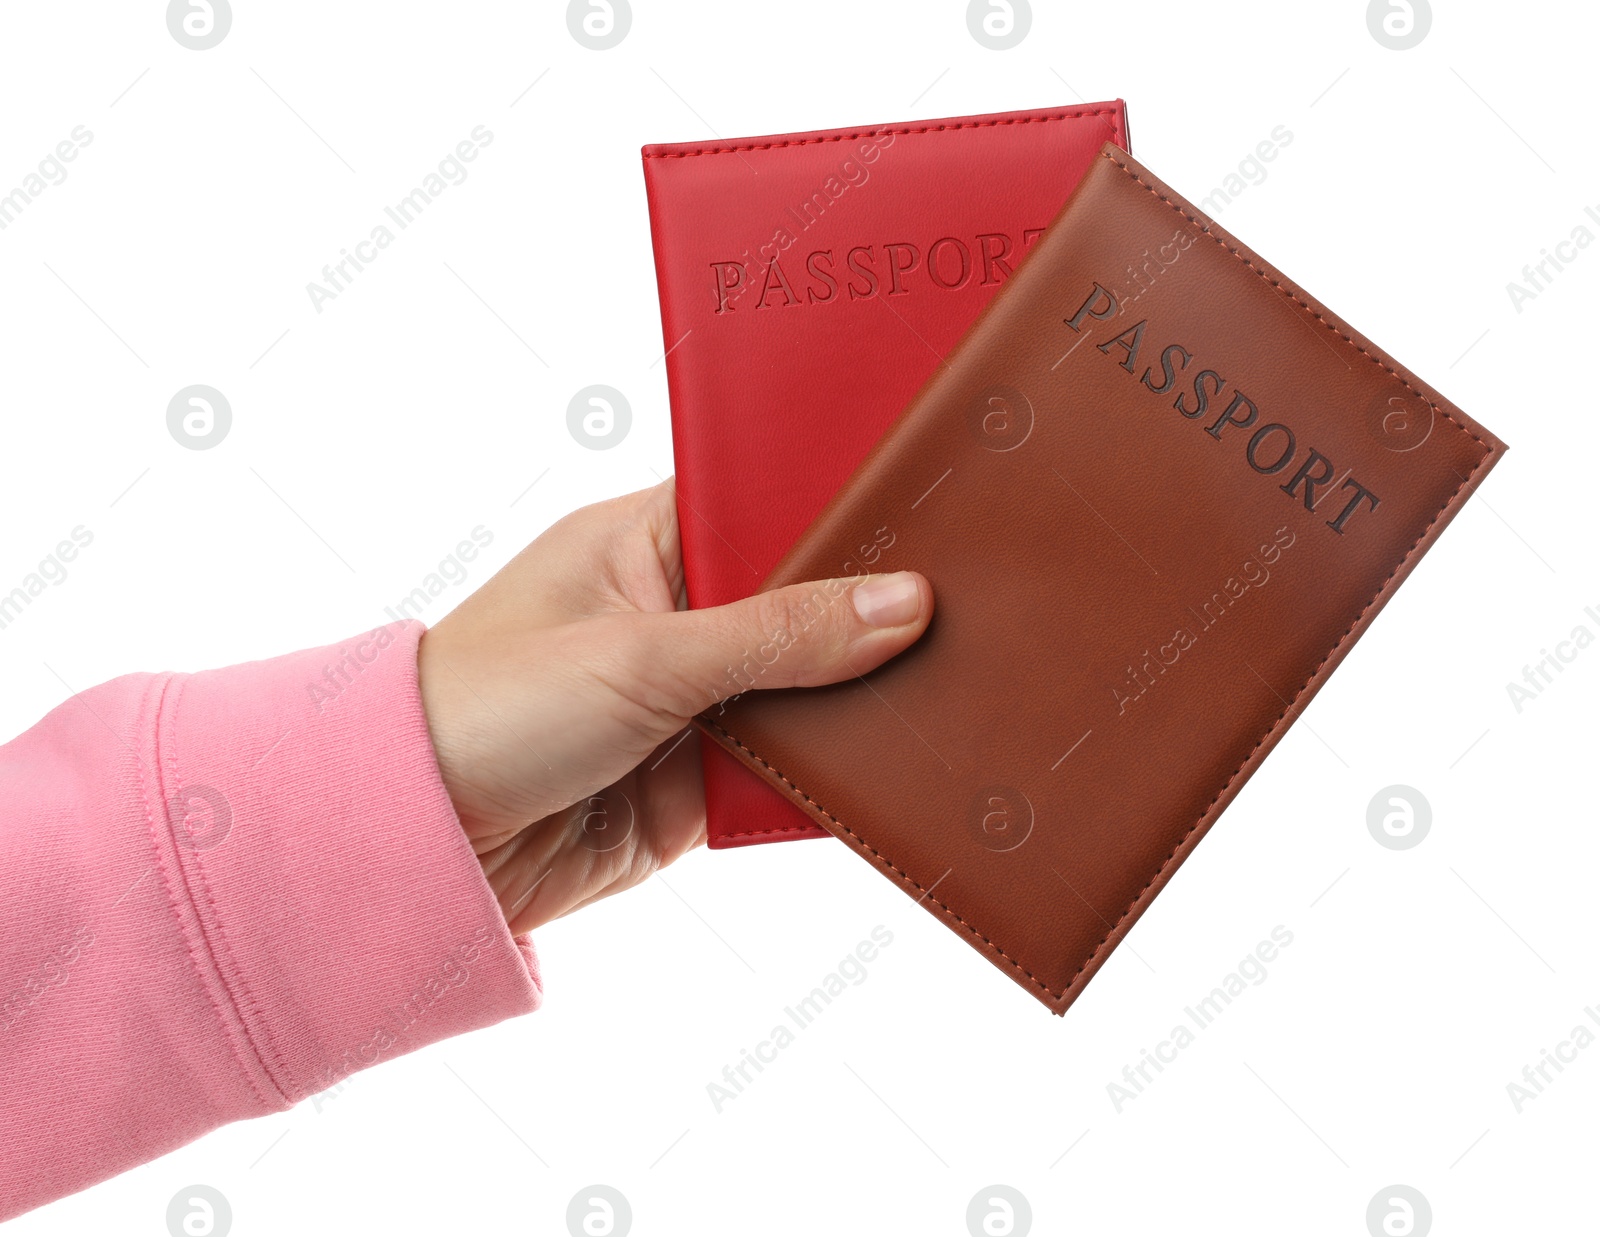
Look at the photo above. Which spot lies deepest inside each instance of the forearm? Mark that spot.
(223, 893)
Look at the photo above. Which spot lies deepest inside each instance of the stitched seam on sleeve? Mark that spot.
(155, 809)
(222, 955)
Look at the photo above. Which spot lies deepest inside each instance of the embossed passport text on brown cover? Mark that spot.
(1159, 491)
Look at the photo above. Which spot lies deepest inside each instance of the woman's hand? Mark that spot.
(558, 693)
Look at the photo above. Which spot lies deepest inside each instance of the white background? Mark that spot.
(371, 437)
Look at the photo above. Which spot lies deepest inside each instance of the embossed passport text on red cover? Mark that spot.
(809, 284)
(1159, 491)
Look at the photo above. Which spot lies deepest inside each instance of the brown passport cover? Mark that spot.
(1159, 492)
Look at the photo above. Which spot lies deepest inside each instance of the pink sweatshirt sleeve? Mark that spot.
(222, 893)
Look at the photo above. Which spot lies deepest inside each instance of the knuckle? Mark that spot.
(801, 614)
(802, 629)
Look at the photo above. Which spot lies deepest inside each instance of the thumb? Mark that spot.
(803, 635)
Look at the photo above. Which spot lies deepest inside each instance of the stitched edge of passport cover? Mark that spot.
(685, 150)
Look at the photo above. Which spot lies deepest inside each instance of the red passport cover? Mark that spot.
(810, 283)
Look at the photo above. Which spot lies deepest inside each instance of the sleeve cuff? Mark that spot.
(337, 914)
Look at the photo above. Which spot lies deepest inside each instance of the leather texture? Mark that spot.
(1134, 599)
(809, 284)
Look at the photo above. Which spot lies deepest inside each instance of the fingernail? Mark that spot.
(887, 601)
